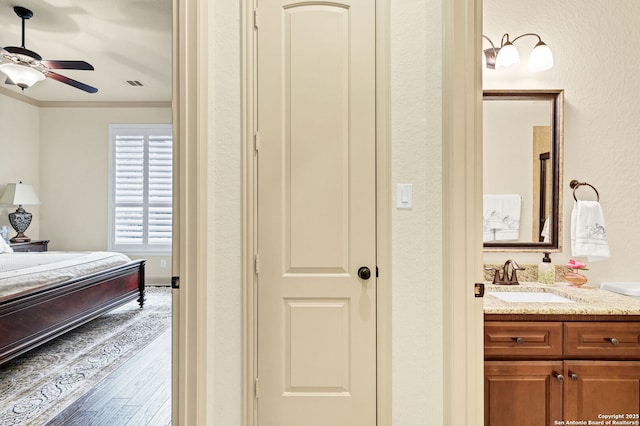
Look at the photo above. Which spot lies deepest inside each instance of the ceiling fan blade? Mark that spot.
(71, 82)
(67, 65)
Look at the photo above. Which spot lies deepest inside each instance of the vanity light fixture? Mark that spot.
(507, 55)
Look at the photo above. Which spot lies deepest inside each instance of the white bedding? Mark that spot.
(24, 271)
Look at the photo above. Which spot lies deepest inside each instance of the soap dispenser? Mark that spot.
(546, 271)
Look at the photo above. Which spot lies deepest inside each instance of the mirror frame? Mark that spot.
(556, 99)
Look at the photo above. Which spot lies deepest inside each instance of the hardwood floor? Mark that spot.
(137, 393)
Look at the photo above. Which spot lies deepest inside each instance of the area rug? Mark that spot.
(38, 385)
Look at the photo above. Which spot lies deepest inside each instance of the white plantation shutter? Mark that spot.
(141, 188)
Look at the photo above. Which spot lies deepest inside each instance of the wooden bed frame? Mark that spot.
(37, 316)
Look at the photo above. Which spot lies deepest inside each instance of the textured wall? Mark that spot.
(596, 63)
(416, 125)
(224, 282)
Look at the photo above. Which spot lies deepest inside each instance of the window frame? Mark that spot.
(145, 248)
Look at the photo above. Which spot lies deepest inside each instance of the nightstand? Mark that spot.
(33, 245)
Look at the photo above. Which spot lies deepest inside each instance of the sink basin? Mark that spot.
(627, 288)
(529, 297)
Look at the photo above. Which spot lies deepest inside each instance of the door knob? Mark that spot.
(364, 273)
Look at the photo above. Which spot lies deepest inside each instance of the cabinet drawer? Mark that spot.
(517, 340)
(607, 340)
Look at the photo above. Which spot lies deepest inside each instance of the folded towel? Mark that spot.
(588, 231)
(501, 217)
(546, 230)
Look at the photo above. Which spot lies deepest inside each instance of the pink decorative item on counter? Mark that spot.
(575, 279)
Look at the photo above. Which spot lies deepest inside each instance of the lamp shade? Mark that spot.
(541, 58)
(18, 194)
(507, 56)
(21, 75)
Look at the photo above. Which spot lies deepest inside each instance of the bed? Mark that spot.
(46, 294)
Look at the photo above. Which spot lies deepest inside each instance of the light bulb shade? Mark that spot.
(508, 56)
(22, 76)
(18, 194)
(541, 58)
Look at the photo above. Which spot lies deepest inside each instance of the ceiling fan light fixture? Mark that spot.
(22, 76)
(25, 67)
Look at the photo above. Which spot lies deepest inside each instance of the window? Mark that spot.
(140, 188)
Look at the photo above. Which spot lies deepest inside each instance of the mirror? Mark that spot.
(522, 170)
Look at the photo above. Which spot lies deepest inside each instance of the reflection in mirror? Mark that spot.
(522, 169)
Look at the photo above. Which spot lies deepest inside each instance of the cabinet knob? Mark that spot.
(560, 377)
(574, 377)
(614, 341)
(519, 340)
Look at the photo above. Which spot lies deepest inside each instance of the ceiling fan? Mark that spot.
(25, 67)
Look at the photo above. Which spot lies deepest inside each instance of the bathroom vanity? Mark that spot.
(549, 363)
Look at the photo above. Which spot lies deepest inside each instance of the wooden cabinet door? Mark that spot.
(593, 388)
(523, 393)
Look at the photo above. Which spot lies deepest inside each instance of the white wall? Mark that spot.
(416, 105)
(416, 51)
(74, 172)
(596, 63)
(74, 160)
(225, 283)
(63, 153)
(19, 155)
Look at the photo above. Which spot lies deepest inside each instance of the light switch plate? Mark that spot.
(404, 196)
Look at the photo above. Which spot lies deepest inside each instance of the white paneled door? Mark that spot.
(316, 214)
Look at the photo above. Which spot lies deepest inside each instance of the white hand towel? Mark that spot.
(546, 231)
(588, 231)
(501, 217)
(491, 217)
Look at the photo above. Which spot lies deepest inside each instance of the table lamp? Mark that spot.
(19, 194)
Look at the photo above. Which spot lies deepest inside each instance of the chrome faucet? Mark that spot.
(507, 277)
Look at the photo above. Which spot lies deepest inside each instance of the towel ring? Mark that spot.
(574, 184)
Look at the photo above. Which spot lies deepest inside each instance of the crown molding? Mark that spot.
(18, 96)
(83, 104)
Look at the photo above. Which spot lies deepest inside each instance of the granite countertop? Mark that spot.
(586, 301)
